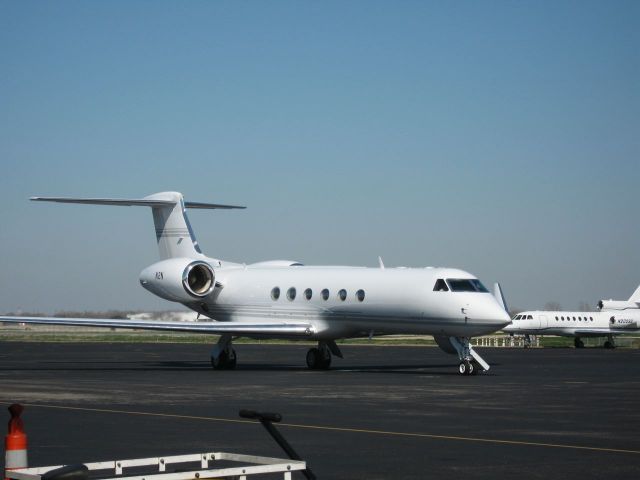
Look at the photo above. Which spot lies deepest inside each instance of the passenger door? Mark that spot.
(543, 323)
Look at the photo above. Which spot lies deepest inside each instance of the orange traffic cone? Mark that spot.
(15, 443)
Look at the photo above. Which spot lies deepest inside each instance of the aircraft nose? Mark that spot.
(499, 317)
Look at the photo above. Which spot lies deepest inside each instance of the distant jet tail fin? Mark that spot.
(173, 231)
(635, 296)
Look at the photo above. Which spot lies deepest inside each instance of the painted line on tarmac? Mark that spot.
(341, 429)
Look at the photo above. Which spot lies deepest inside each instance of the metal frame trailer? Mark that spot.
(251, 466)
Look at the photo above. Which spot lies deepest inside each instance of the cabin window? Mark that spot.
(591, 318)
(291, 294)
(440, 286)
(360, 295)
(308, 294)
(574, 319)
(556, 319)
(342, 294)
(275, 293)
(325, 294)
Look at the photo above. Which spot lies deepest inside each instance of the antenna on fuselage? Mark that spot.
(381, 263)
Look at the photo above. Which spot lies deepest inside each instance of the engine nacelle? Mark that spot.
(616, 305)
(179, 279)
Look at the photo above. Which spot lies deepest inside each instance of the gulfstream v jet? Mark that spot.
(285, 299)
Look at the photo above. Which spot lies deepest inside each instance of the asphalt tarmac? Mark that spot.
(381, 413)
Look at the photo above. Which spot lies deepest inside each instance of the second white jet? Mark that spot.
(613, 317)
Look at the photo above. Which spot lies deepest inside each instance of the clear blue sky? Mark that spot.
(499, 137)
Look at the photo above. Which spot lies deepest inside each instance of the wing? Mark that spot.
(231, 328)
(594, 332)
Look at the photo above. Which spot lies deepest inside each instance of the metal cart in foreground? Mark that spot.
(224, 465)
(134, 469)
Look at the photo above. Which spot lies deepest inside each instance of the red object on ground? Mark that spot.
(15, 442)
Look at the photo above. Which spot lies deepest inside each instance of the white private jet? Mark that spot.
(613, 317)
(285, 299)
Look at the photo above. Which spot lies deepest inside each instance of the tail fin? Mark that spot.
(173, 231)
(635, 296)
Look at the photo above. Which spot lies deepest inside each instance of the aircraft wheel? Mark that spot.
(314, 359)
(325, 362)
(609, 344)
(465, 368)
(475, 368)
(578, 343)
(226, 361)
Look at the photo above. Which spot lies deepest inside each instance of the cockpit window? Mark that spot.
(440, 286)
(466, 285)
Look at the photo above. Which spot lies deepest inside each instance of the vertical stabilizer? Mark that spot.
(173, 231)
(635, 296)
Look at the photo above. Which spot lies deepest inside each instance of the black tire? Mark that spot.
(224, 361)
(609, 344)
(476, 368)
(325, 361)
(313, 359)
(463, 368)
(232, 360)
(578, 343)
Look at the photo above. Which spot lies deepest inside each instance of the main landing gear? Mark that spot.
(578, 343)
(470, 362)
(320, 358)
(223, 356)
(609, 343)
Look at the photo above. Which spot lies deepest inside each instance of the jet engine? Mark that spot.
(179, 279)
(616, 305)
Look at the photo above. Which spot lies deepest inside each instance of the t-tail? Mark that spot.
(173, 231)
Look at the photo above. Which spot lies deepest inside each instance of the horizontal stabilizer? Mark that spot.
(274, 329)
(130, 202)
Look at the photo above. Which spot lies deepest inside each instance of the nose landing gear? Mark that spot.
(467, 367)
(470, 362)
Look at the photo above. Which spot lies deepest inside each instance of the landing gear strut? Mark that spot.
(320, 358)
(470, 362)
(223, 356)
(610, 343)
